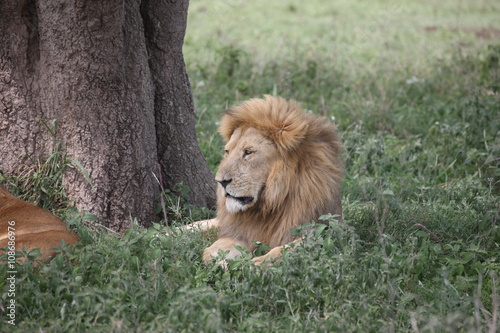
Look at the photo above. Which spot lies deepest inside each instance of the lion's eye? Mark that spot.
(247, 152)
(226, 151)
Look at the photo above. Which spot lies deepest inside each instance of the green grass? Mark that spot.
(415, 94)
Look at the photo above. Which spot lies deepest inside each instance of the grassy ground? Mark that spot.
(414, 89)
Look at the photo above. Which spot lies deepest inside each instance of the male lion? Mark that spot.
(281, 168)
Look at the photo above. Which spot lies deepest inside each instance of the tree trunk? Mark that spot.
(112, 74)
(175, 134)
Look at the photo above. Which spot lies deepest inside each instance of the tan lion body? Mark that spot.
(282, 168)
(31, 226)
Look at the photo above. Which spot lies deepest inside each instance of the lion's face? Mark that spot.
(242, 173)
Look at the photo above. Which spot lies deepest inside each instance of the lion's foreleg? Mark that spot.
(223, 244)
(203, 225)
(274, 256)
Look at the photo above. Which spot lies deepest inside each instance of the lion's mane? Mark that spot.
(305, 182)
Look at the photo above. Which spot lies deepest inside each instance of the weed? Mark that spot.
(179, 211)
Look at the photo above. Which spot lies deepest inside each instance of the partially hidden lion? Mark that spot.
(282, 168)
(25, 225)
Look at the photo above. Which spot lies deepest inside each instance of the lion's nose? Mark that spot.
(224, 182)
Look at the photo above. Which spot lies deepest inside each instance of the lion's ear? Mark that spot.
(290, 135)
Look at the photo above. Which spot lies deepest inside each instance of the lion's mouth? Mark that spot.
(242, 200)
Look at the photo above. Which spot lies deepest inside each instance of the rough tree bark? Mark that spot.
(112, 73)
